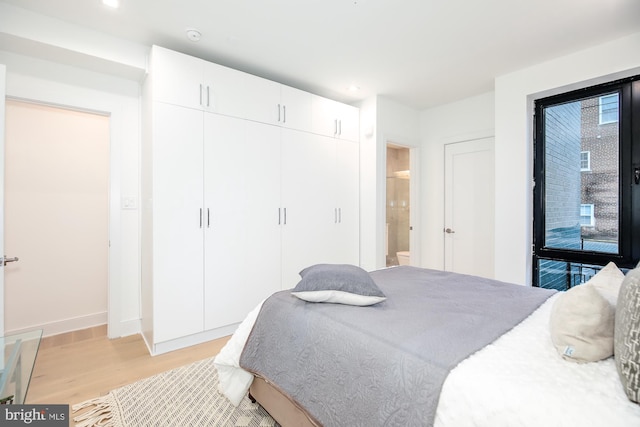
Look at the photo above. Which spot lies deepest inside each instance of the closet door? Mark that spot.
(349, 122)
(307, 196)
(242, 199)
(177, 221)
(347, 196)
(177, 78)
(294, 109)
(237, 94)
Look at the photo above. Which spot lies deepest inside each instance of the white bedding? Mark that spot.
(519, 380)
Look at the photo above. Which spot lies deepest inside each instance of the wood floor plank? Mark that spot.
(71, 368)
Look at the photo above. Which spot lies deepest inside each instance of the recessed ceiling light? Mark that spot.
(193, 34)
(111, 3)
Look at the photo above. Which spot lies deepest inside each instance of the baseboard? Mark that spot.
(178, 343)
(66, 325)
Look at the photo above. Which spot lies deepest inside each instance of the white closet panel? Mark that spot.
(347, 195)
(242, 199)
(177, 229)
(308, 197)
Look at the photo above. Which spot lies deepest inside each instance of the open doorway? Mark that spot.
(56, 217)
(398, 206)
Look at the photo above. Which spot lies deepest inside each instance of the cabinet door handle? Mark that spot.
(339, 127)
(278, 113)
(335, 215)
(335, 127)
(340, 215)
(285, 216)
(208, 97)
(284, 114)
(200, 93)
(208, 218)
(279, 216)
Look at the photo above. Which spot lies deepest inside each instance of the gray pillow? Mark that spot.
(338, 283)
(627, 334)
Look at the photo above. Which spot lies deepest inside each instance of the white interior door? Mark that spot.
(469, 207)
(3, 72)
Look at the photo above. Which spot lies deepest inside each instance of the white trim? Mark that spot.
(588, 168)
(66, 325)
(55, 84)
(190, 340)
(600, 109)
(592, 220)
(414, 194)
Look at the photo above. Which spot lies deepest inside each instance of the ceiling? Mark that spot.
(420, 53)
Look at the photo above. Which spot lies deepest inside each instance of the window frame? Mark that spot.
(629, 193)
(588, 168)
(592, 221)
(601, 102)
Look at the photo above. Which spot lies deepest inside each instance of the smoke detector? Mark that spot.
(193, 34)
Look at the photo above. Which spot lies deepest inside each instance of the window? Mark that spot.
(585, 161)
(586, 215)
(608, 108)
(572, 238)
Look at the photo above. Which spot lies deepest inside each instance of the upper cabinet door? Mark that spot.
(348, 122)
(335, 119)
(177, 78)
(294, 109)
(194, 83)
(237, 94)
(323, 117)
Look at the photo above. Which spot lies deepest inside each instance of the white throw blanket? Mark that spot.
(234, 382)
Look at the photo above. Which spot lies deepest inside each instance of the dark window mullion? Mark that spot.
(634, 221)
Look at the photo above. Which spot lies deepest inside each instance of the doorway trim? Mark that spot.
(113, 215)
(414, 195)
(85, 98)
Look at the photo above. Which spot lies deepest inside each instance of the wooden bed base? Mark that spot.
(286, 412)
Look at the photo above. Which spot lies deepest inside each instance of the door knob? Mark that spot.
(5, 260)
(449, 231)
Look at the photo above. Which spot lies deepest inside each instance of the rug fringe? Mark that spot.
(101, 415)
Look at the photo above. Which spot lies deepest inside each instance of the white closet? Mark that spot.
(245, 183)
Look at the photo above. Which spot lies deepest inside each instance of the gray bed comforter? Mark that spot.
(382, 365)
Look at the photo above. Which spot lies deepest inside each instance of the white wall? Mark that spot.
(514, 97)
(26, 32)
(381, 121)
(52, 83)
(464, 120)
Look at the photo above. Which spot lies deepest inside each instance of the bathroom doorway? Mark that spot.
(398, 206)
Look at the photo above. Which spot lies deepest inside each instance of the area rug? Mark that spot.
(186, 396)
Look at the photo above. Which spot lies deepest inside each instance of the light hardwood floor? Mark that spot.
(73, 367)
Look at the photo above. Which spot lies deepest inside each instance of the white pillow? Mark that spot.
(607, 281)
(582, 325)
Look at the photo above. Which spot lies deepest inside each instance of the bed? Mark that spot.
(437, 348)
